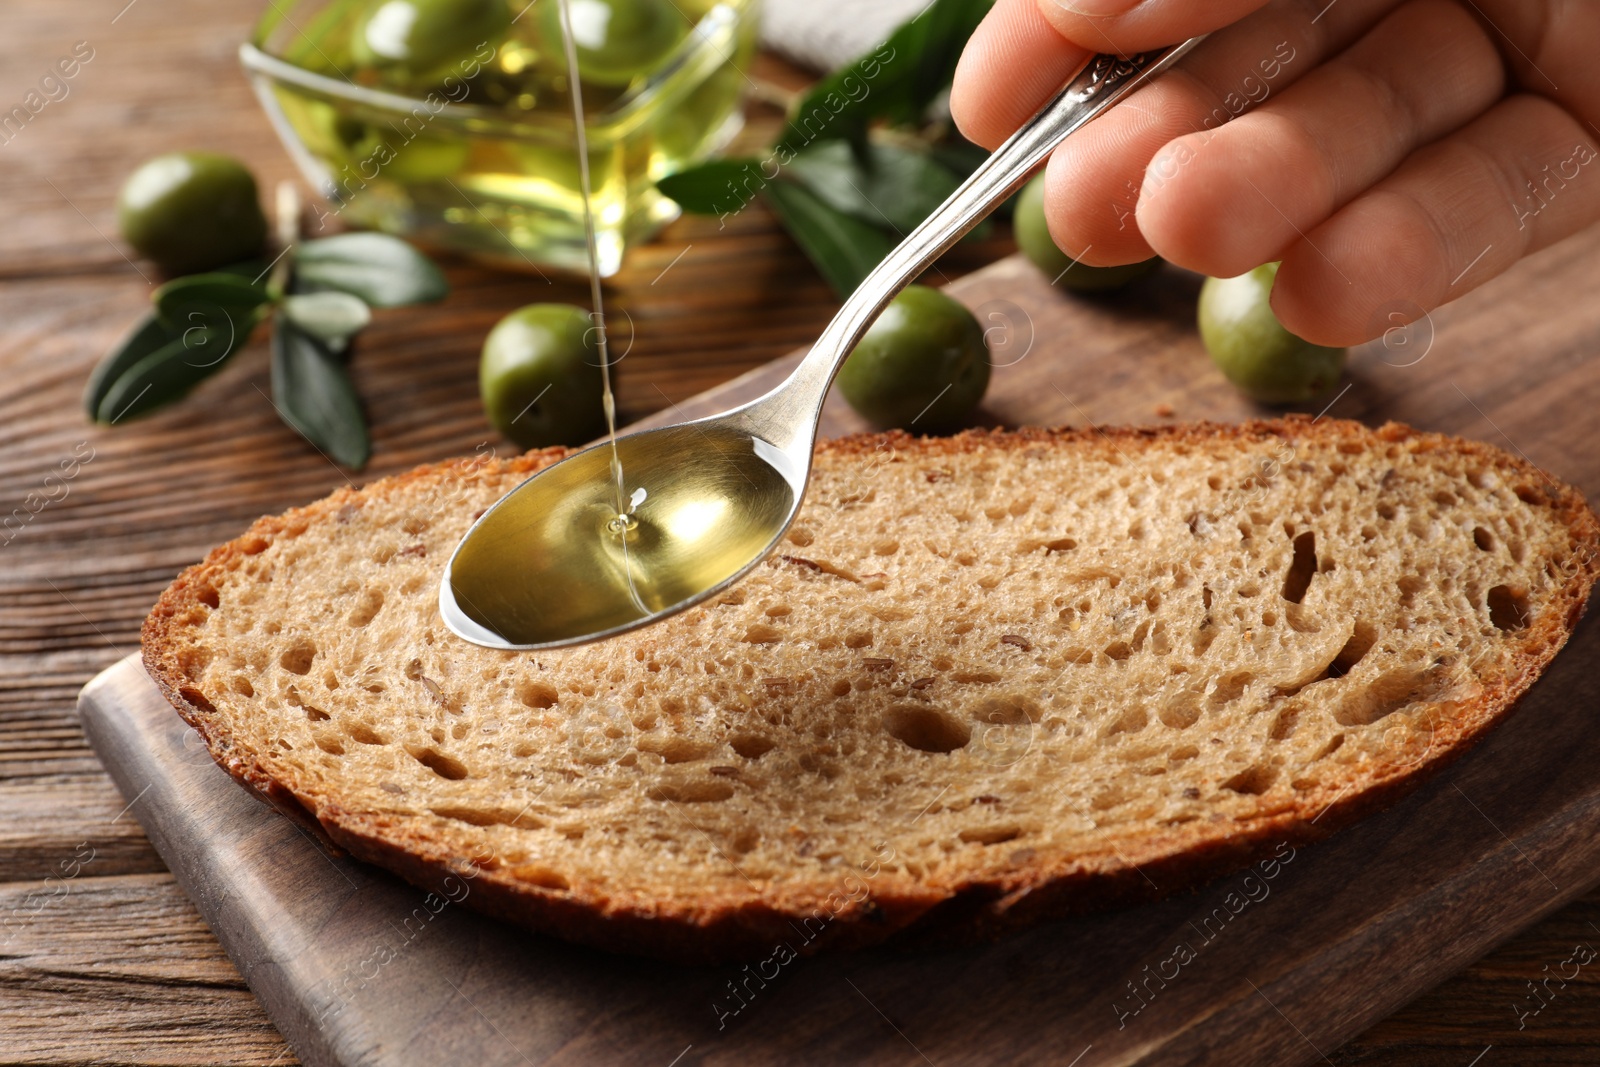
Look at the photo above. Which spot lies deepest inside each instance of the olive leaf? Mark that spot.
(149, 336)
(959, 155)
(202, 319)
(164, 372)
(842, 247)
(218, 301)
(896, 82)
(221, 288)
(844, 188)
(881, 184)
(198, 322)
(383, 271)
(314, 395)
(331, 317)
(254, 269)
(934, 40)
(716, 187)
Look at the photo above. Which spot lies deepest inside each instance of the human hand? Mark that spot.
(1392, 153)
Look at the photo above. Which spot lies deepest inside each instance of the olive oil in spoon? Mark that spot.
(560, 561)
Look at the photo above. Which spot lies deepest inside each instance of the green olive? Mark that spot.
(922, 365)
(1033, 237)
(192, 211)
(558, 165)
(616, 40)
(424, 159)
(327, 131)
(685, 131)
(416, 43)
(540, 376)
(1251, 347)
(381, 152)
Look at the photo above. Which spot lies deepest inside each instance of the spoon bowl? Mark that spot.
(554, 563)
(554, 559)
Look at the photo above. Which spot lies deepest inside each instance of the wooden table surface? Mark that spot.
(102, 959)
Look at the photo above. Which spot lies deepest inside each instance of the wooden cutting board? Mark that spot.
(1278, 966)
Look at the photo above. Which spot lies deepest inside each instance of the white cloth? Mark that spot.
(827, 34)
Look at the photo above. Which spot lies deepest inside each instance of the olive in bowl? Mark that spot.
(616, 41)
(412, 44)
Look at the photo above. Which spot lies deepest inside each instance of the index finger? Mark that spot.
(1128, 26)
(1025, 50)
(1014, 62)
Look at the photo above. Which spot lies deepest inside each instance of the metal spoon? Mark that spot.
(553, 563)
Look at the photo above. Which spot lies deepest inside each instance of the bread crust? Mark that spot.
(713, 927)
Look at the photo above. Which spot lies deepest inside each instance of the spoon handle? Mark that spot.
(1102, 82)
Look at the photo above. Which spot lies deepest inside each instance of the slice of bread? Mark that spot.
(986, 679)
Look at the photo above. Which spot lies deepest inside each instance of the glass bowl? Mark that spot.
(479, 154)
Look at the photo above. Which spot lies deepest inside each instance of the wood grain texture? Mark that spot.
(138, 935)
(40, 819)
(77, 577)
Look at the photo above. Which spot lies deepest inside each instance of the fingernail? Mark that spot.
(1097, 9)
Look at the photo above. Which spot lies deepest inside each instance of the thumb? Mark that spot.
(1126, 26)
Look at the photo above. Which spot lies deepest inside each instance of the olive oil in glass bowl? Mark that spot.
(450, 121)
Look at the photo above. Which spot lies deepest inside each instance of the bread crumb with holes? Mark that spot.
(1011, 667)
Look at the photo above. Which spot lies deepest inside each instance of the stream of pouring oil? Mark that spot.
(622, 523)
